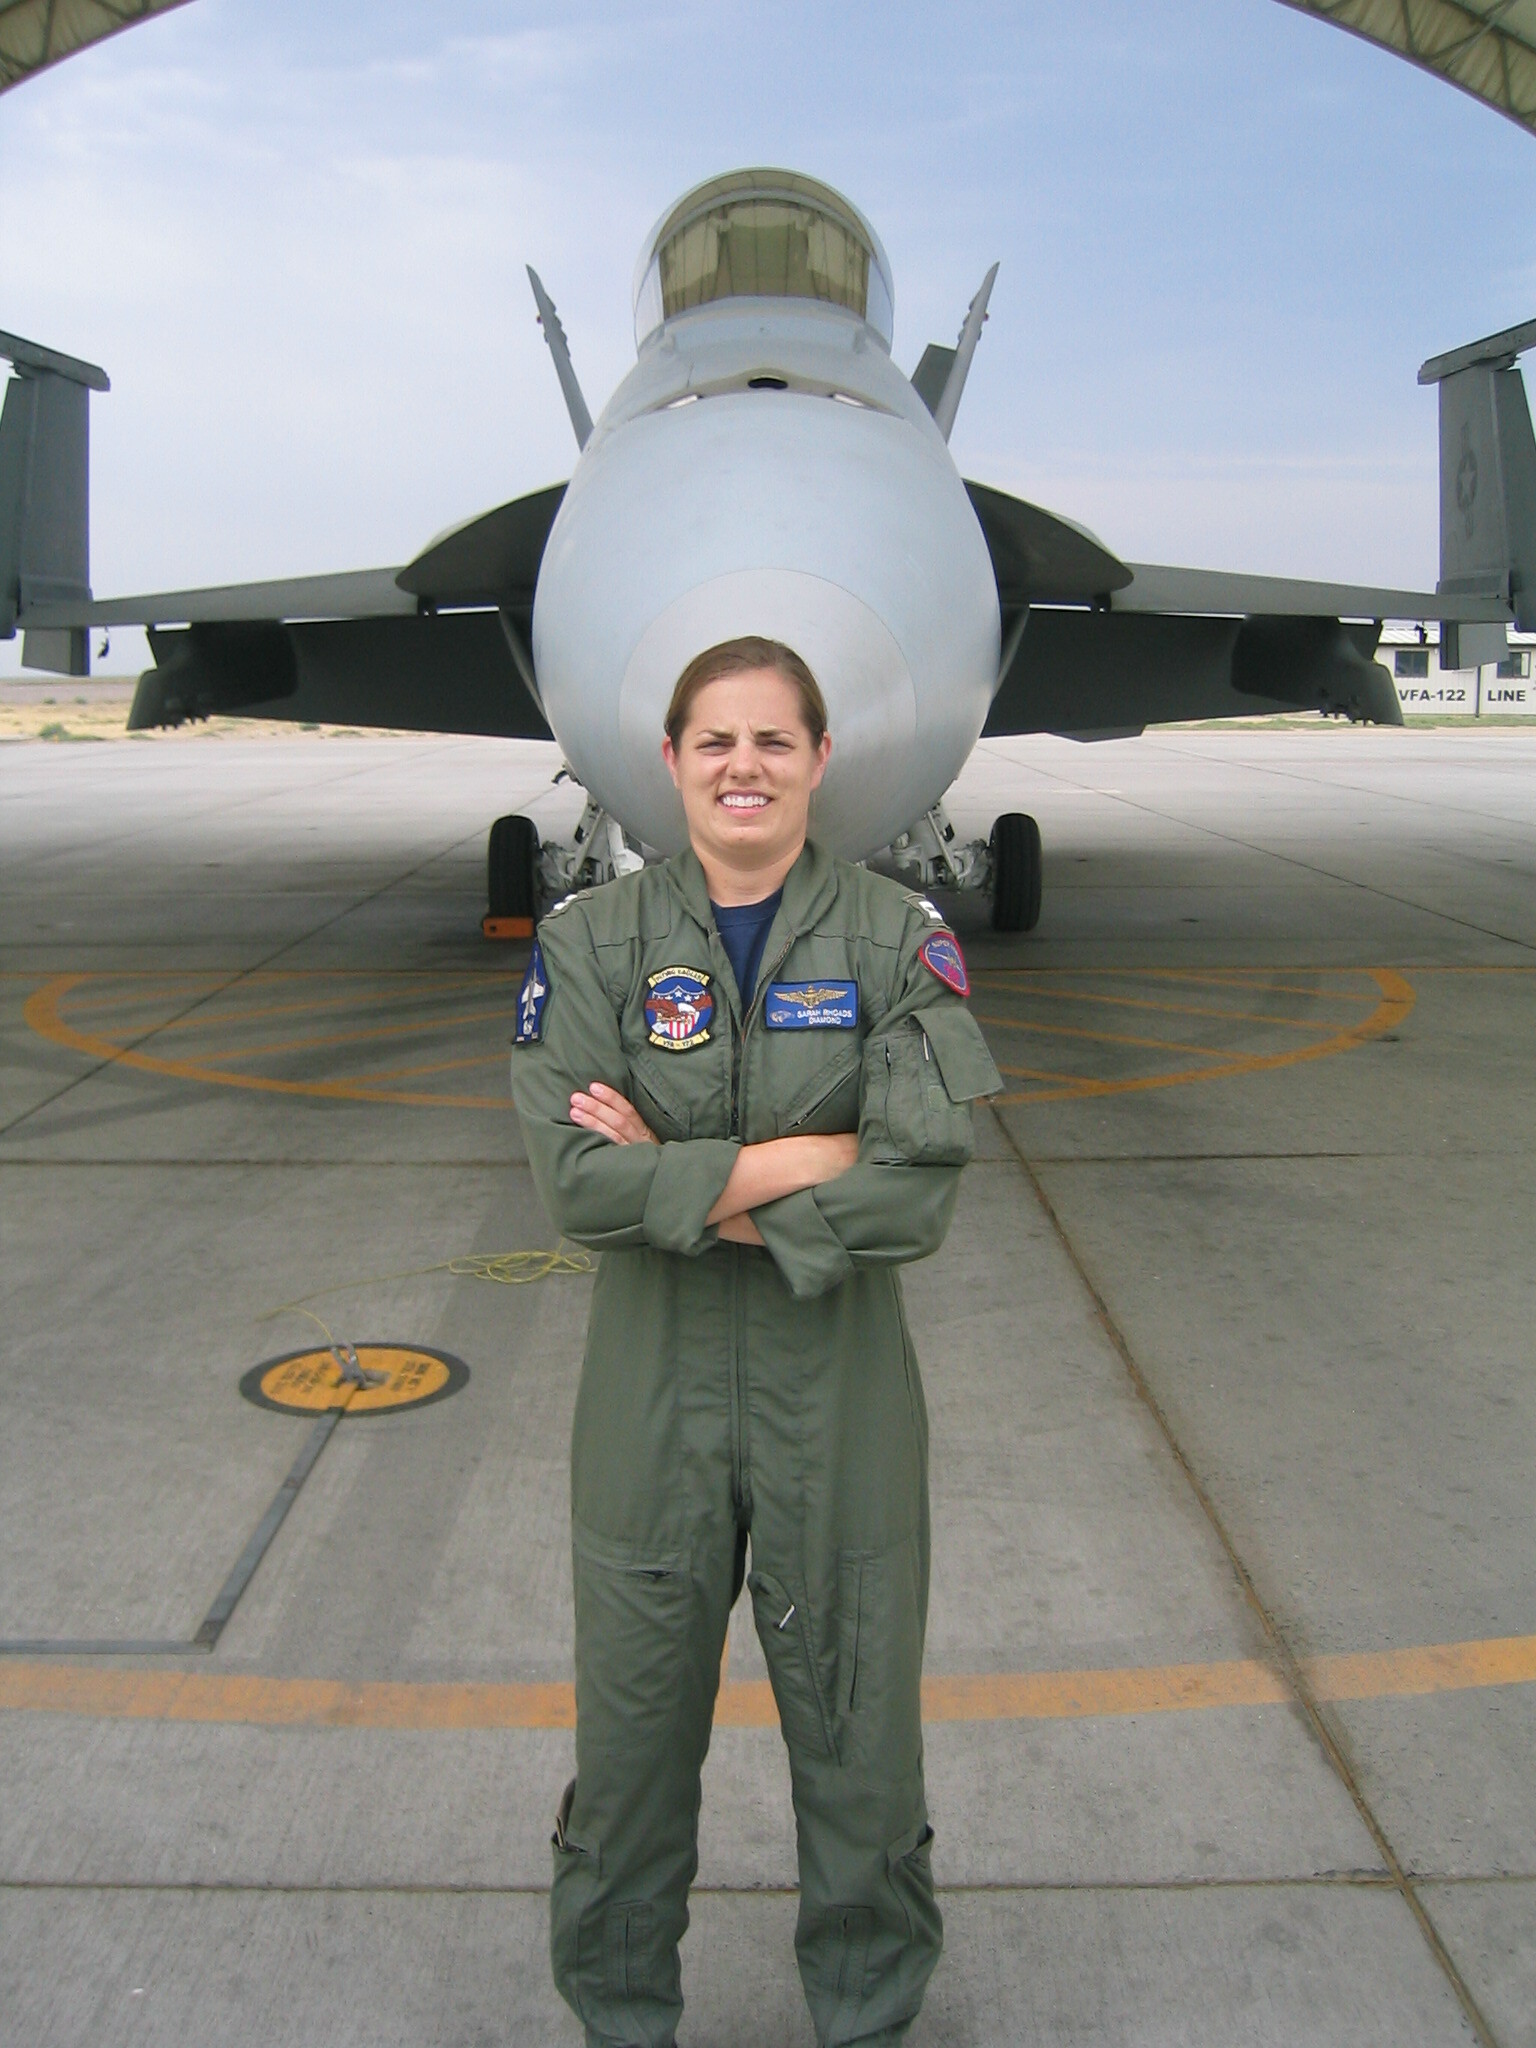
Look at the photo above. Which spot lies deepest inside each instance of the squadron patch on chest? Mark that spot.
(531, 999)
(679, 1008)
(811, 1006)
(941, 955)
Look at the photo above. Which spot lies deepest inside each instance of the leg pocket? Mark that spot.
(789, 1646)
(577, 1868)
(910, 1868)
(641, 1646)
(879, 1728)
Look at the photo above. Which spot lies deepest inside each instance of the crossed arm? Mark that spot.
(762, 1173)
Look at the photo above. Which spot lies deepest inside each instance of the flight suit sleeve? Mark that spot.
(923, 1067)
(601, 1194)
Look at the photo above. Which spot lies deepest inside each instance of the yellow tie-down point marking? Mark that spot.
(370, 1036)
(1119, 1031)
(311, 1382)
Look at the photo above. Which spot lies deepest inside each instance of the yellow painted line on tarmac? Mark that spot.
(42, 1014)
(1100, 1000)
(1397, 999)
(1204, 1052)
(415, 1029)
(94, 1693)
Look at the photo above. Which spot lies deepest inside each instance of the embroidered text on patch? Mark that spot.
(531, 1000)
(941, 955)
(811, 1006)
(679, 1008)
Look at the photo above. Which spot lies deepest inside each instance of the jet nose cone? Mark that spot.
(838, 530)
(871, 702)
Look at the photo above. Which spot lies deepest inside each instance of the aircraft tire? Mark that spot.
(512, 868)
(1016, 873)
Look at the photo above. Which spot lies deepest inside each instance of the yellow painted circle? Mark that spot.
(311, 1382)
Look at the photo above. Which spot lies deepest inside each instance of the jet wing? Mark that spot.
(440, 645)
(1219, 592)
(1096, 648)
(355, 594)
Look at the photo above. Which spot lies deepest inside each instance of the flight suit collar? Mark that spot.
(809, 889)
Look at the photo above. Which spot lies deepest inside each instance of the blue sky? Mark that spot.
(295, 237)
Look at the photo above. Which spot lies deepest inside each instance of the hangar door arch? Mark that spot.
(1487, 47)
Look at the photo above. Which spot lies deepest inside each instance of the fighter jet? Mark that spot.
(767, 468)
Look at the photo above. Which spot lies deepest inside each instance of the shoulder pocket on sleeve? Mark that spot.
(957, 1044)
(917, 1111)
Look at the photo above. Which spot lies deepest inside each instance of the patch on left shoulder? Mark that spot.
(532, 998)
(941, 955)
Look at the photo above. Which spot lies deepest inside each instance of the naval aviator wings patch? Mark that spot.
(532, 999)
(811, 1006)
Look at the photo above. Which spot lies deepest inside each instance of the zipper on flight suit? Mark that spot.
(741, 1448)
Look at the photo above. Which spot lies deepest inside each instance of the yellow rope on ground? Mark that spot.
(507, 1269)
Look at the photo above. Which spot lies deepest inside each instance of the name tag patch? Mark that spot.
(811, 1006)
(941, 955)
(679, 1008)
(531, 1000)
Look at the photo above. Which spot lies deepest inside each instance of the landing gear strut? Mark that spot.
(1007, 866)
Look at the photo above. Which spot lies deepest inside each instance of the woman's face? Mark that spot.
(745, 769)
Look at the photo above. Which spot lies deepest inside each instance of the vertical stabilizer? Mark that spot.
(45, 462)
(1487, 472)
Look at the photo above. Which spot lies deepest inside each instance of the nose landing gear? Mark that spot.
(1007, 866)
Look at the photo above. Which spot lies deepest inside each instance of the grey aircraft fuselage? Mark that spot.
(765, 468)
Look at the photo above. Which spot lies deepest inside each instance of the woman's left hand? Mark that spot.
(605, 1110)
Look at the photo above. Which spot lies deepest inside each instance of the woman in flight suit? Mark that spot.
(745, 1076)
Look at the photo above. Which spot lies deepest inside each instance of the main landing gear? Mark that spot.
(1007, 866)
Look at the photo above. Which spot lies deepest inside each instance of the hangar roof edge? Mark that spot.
(1486, 47)
(37, 33)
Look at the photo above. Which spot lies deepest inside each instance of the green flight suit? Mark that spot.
(731, 1392)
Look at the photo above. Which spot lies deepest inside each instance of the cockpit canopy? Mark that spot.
(762, 234)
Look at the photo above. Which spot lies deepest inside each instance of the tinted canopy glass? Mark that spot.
(762, 235)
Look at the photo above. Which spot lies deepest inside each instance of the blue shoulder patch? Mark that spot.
(811, 1006)
(532, 998)
(941, 955)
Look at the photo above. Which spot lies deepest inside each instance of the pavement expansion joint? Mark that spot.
(1290, 1666)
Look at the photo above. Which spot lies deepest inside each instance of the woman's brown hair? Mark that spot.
(739, 658)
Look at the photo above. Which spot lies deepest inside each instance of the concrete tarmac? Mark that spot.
(1232, 1659)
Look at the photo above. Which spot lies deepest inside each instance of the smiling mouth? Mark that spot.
(743, 800)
